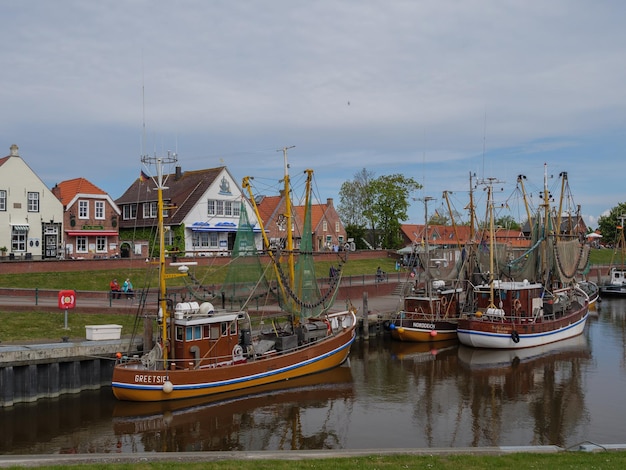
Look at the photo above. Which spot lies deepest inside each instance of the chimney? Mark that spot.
(14, 151)
(179, 173)
(329, 202)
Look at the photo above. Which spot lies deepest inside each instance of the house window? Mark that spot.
(33, 202)
(325, 226)
(130, 211)
(83, 209)
(213, 239)
(81, 244)
(99, 209)
(101, 244)
(200, 239)
(211, 207)
(236, 210)
(336, 226)
(18, 239)
(150, 210)
(168, 237)
(228, 208)
(219, 207)
(3, 200)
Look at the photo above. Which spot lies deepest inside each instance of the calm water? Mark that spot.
(393, 395)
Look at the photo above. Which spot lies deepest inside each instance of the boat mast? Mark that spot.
(546, 227)
(520, 180)
(492, 236)
(288, 216)
(427, 279)
(160, 183)
(563, 176)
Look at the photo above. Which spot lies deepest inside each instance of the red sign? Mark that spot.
(67, 299)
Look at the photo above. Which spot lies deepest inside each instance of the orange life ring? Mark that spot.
(517, 305)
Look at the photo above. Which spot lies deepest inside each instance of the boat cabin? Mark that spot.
(521, 300)
(204, 338)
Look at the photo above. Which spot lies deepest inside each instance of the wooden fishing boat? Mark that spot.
(431, 309)
(527, 313)
(203, 351)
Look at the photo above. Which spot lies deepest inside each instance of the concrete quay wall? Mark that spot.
(31, 372)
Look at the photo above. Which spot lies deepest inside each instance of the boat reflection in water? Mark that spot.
(422, 351)
(303, 413)
(507, 388)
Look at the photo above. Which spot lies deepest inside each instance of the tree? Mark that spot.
(389, 202)
(353, 199)
(608, 223)
(507, 222)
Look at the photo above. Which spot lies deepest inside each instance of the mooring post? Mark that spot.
(366, 314)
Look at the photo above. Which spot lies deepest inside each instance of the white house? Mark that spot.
(31, 217)
(206, 203)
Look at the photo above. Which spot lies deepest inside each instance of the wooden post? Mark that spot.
(366, 314)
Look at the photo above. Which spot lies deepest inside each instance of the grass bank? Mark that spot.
(518, 461)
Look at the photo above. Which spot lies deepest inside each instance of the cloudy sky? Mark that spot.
(435, 90)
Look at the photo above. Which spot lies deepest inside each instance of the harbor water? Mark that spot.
(390, 396)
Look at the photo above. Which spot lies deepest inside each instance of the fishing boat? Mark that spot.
(521, 313)
(616, 284)
(204, 351)
(431, 308)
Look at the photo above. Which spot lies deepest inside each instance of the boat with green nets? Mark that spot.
(533, 299)
(204, 351)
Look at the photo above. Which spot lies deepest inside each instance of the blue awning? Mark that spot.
(218, 227)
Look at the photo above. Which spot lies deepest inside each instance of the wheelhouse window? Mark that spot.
(3, 200)
(99, 205)
(33, 202)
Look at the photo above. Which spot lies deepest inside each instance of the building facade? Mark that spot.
(90, 220)
(31, 217)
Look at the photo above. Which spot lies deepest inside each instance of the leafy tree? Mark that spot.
(608, 223)
(358, 234)
(389, 202)
(507, 222)
(353, 199)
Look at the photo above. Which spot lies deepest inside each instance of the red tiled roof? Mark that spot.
(66, 190)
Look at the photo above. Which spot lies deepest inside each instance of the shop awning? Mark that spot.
(218, 227)
(91, 233)
(19, 227)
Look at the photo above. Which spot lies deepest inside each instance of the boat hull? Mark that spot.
(424, 331)
(131, 381)
(479, 333)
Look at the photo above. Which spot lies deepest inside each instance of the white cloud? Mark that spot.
(418, 87)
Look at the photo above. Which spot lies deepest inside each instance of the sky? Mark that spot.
(434, 90)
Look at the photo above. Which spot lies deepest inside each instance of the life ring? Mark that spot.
(237, 352)
(515, 336)
(517, 305)
(328, 327)
(444, 302)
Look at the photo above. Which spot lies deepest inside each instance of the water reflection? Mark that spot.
(392, 395)
(276, 417)
(540, 388)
